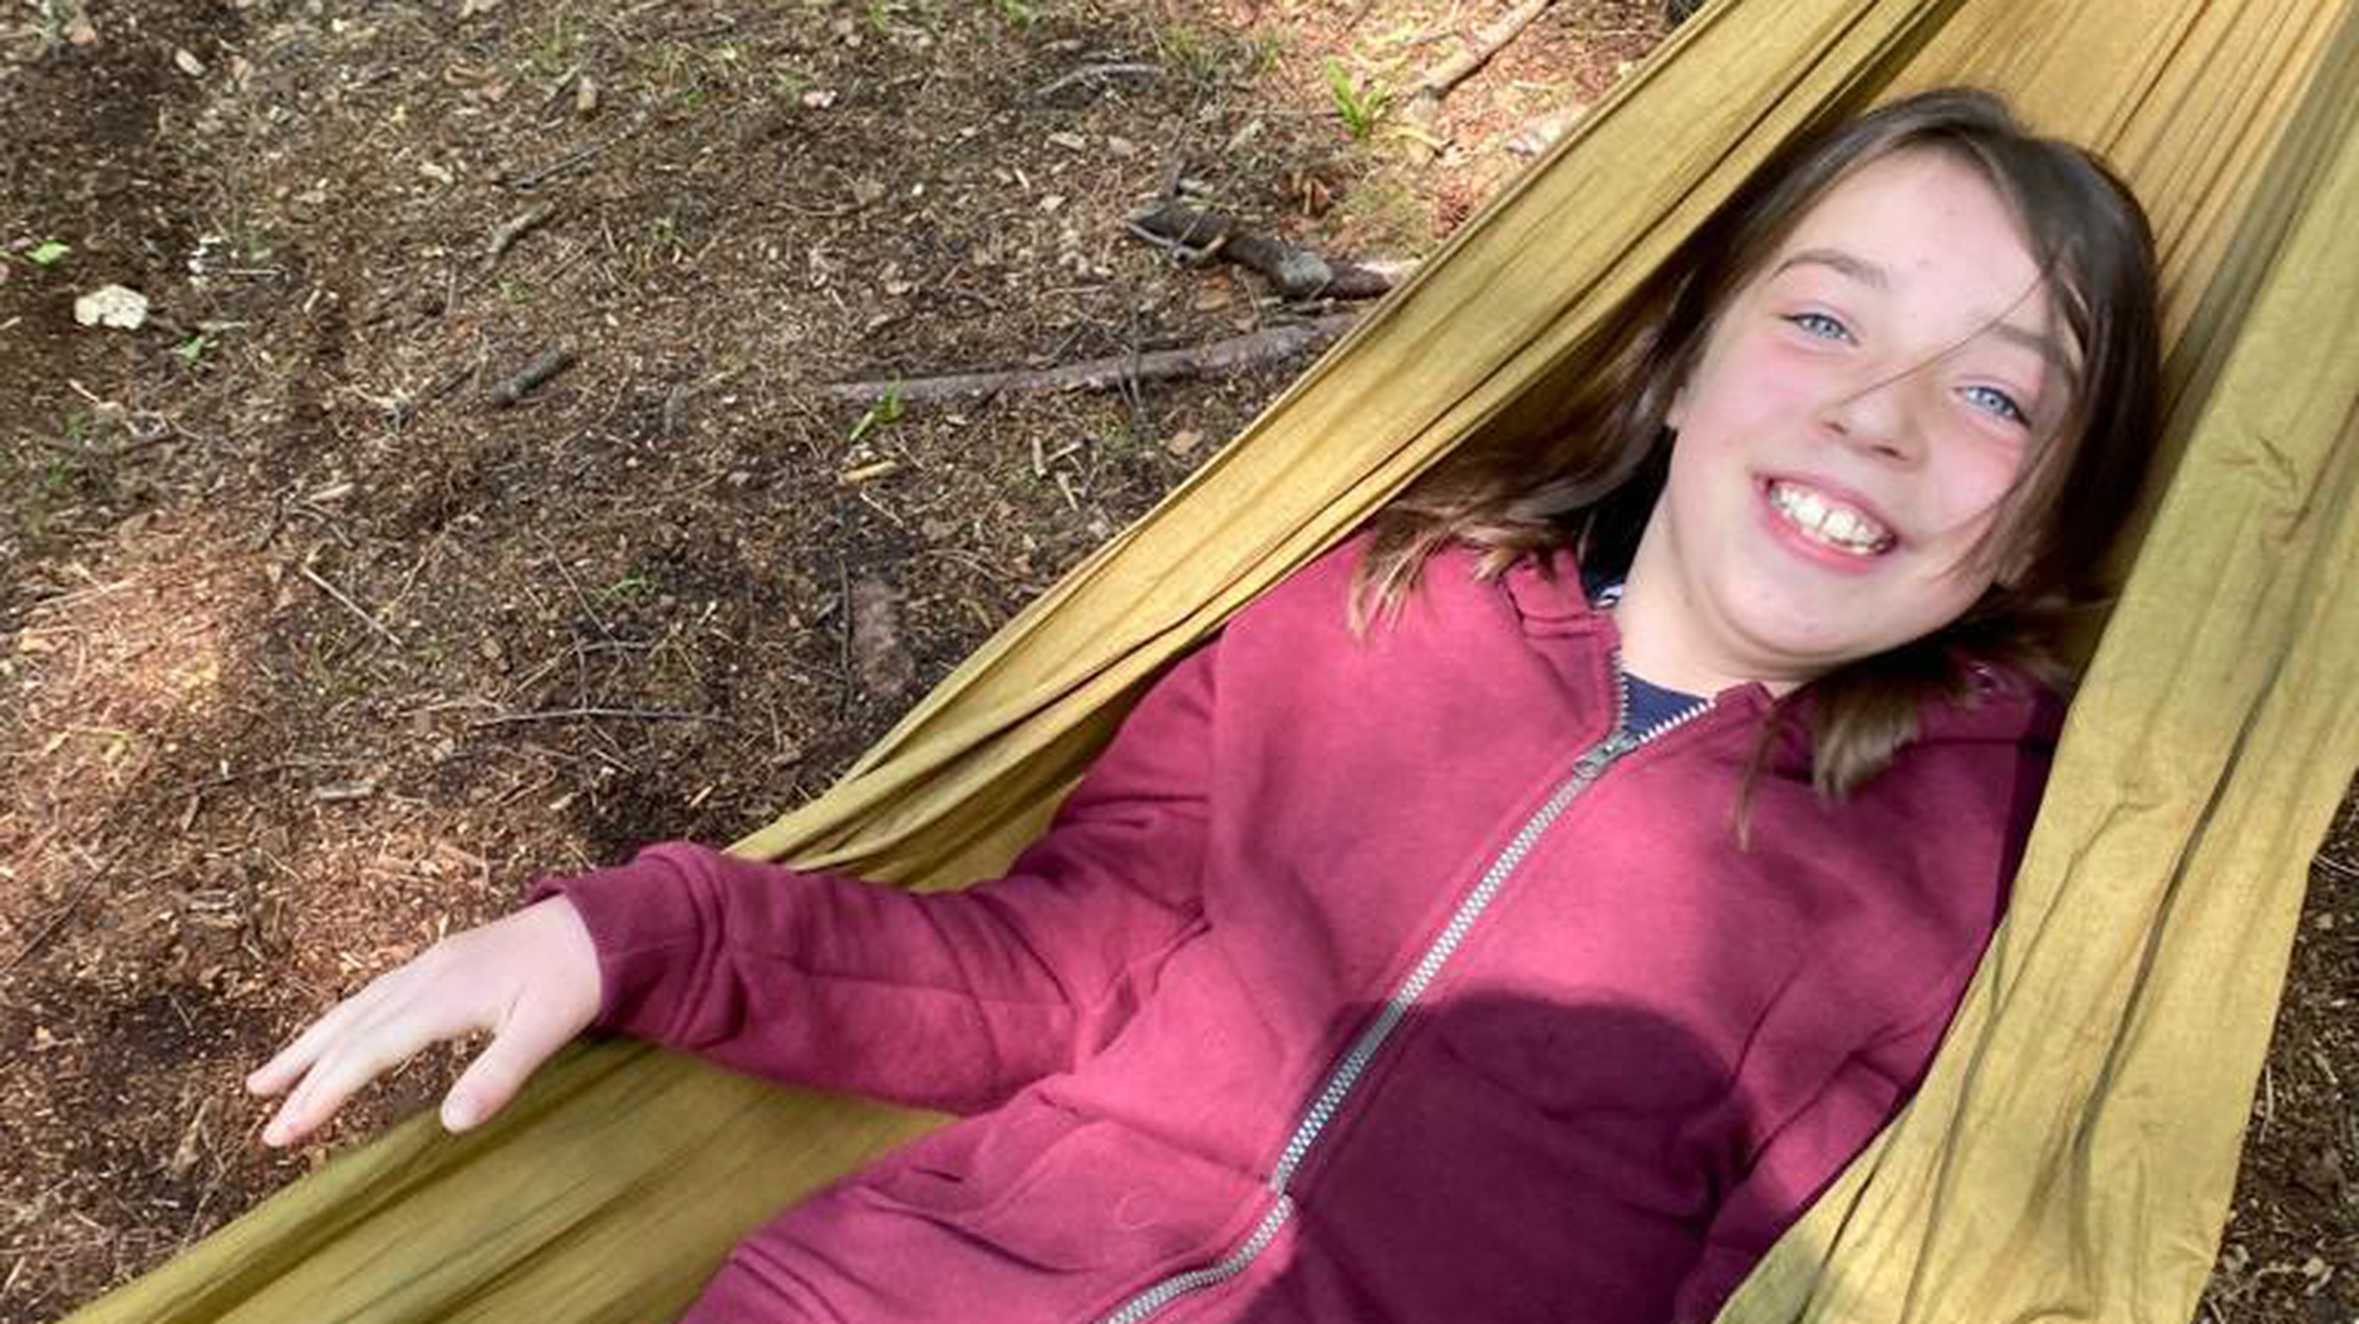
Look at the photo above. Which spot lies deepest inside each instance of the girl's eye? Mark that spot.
(1998, 402)
(1820, 325)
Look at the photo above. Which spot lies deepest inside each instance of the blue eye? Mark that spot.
(1820, 325)
(1998, 402)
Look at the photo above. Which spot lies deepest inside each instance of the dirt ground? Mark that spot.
(313, 652)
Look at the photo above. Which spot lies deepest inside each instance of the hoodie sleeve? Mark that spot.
(950, 1000)
(1804, 1156)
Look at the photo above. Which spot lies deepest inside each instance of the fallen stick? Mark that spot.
(505, 237)
(1099, 71)
(1270, 345)
(1297, 273)
(547, 364)
(568, 162)
(570, 714)
(349, 605)
(1425, 103)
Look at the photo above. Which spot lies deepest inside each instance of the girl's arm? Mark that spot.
(948, 999)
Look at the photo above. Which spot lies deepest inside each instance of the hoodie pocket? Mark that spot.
(1046, 1188)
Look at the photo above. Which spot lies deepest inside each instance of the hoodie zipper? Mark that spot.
(1355, 1062)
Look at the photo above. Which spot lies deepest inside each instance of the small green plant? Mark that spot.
(515, 291)
(1262, 53)
(1360, 104)
(193, 348)
(553, 54)
(791, 85)
(884, 413)
(1194, 53)
(48, 254)
(628, 587)
(880, 18)
(1020, 13)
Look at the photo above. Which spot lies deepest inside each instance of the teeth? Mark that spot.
(1827, 523)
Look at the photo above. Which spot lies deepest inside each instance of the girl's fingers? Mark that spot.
(369, 1049)
(516, 1050)
(274, 1076)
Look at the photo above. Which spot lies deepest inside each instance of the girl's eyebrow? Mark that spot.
(1867, 273)
(1850, 264)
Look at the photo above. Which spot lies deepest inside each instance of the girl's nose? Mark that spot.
(1879, 417)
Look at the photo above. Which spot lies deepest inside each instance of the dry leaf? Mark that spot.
(189, 63)
(79, 30)
(1184, 441)
(585, 96)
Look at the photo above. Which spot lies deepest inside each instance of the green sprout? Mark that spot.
(883, 413)
(1360, 104)
(48, 254)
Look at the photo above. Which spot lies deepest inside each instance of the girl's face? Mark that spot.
(1857, 414)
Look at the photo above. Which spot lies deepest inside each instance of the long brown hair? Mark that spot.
(1592, 482)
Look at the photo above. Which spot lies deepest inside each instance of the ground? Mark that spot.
(297, 625)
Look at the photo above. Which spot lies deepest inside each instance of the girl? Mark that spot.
(1458, 935)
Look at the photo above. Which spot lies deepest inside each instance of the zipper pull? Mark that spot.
(1602, 754)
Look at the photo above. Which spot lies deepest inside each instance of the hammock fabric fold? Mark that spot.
(2073, 1152)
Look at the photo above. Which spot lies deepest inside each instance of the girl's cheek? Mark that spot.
(1975, 478)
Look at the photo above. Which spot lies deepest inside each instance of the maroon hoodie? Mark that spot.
(1359, 980)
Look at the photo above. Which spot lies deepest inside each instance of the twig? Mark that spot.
(1271, 345)
(568, 162)
(578, 595)
(506, 235)
(349, 605)
(557, 89)
(547, 364)
(1130, 377)
(1297, 273)
(225, 779)
(571, 714)
(1424, 105)
(1089, 71)
(1442, 78)
(64, 912)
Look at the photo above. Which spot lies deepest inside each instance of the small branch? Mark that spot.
(506, 235)
(1440, 80)
(568, 162)
(571, 714)
(349, 605)
(547, 364)
(1270, 345)
(64, 912)
(1297, 273)
(1089, 71)
(1424, 104)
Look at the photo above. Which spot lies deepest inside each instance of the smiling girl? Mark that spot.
(1523, 910)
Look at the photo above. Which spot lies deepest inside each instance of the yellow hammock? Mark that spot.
(2072, 1154)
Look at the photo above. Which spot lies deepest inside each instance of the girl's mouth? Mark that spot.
(1828, 521)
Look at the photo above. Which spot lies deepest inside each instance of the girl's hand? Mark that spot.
(531, 979)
